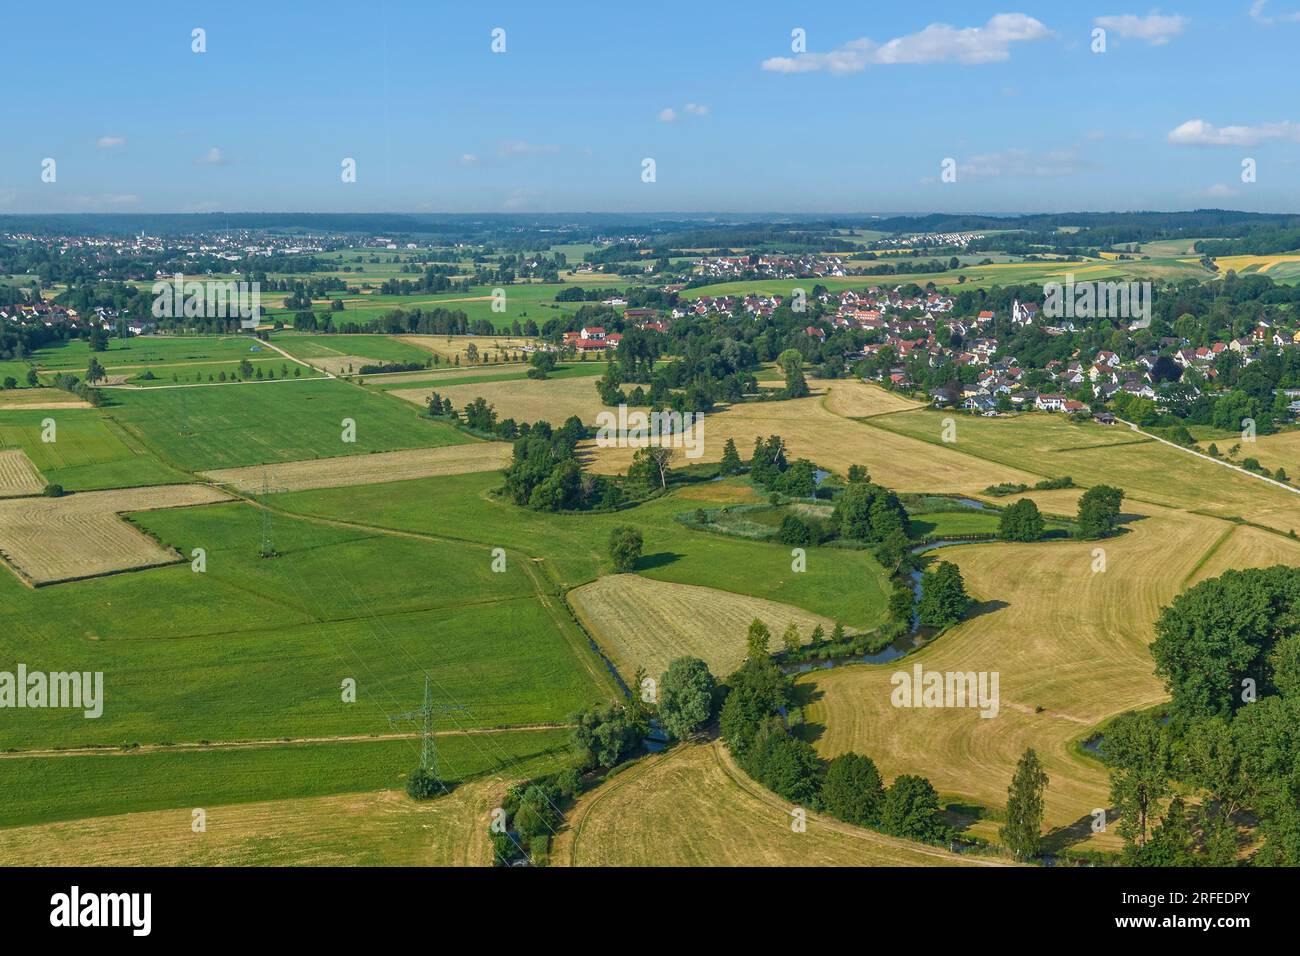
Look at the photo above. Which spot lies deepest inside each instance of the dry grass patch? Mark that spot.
(1061, 637)
(339, 364)
(366, 469)
(552, 400)
(38, 399)
(362, 829)
(18, 476)
(854, 398)
(835, 442)
(1246, 547)
(692, 806)
(449, 347)
(646, 623)
(47, 540)
(1092, 454)
(722, 492)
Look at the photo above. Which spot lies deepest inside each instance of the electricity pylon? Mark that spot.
(423, 718)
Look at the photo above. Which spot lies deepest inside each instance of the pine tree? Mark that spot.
(730, 459)
(1022, 831)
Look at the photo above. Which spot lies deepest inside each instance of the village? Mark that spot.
(907, 328)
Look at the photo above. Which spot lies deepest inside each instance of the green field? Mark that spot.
(523, 301)
(201, 429)
(40, 790)
(90, 450)
(846, 585)
(574, 370)
(381, 348)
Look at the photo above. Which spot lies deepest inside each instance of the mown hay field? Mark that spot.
(1062, 637)
(524, 400)
(18, 476)
(853, 398)
(47, 399)
(692, 806)
(365, 469)
(832, 441)
(383, 828)
(1052, 446)
(453, 347)
(78, 536)
(1242, 546)
(646, 623)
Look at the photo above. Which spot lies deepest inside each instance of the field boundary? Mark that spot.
(109, 750)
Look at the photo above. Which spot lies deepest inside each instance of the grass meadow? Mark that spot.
(203, 429)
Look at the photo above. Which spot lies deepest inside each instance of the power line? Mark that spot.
(428, 745)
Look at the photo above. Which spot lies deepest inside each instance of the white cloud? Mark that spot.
(1021, 164)
(937, 43)
(1259, 16)
(213, 157)
(1154, 29)
(1218, 191)
(519, 147)
(519, 199)
(1197, 132)
(695, 109)
(109, 142)
(668, 115)
(468, 159)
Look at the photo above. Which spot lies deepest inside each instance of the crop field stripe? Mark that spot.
(272, 743)
(1210, 552)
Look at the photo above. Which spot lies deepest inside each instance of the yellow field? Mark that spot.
(835, 442)
(692, 806)
(446, 373)
(727, 492)
(38, 399)
(362, 829)
(449, 347)
(339, 364)
(366, 469)
(1244, 547)
(552, 400)
(648, 623)
(1243, 263)
(1060, 636)
(46, 540)
(1051, 446)
(1273, 451)
(852, 398)
(18, 476)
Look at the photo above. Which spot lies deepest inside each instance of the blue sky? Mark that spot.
(561, 121)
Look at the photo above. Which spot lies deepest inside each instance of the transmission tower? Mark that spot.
(267, 550)
(423, 718)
